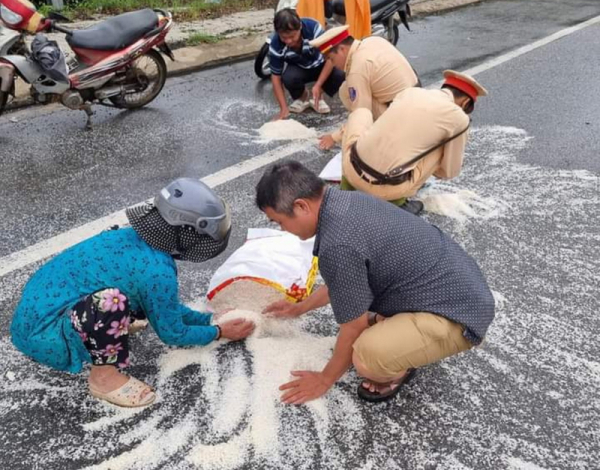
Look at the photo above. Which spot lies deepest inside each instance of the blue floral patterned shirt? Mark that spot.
(41, 326)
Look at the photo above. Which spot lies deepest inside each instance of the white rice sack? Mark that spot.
(271, 265)
(244, 294)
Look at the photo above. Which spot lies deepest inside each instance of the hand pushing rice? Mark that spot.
(265, 325)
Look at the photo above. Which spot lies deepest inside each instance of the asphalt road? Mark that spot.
(527, 400)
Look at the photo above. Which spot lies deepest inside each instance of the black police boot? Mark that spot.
(413, 206)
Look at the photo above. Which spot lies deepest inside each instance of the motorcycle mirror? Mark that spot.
(58, 17)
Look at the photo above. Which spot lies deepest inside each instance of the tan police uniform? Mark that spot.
(417, 120)
(375, 73)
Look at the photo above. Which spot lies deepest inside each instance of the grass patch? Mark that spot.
(45, 9)
(183, 10)
(202, 38)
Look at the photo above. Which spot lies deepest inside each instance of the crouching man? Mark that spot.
(423, 133)
(404, 294)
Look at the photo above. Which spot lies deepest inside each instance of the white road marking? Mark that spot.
(490, 64)
(58, 243)
(51, 246)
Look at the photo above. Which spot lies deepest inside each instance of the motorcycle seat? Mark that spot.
(340, 9)
(115, 33)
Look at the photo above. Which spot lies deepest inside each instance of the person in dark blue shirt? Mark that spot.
(294, 64)
(78, 306)
(403, 292)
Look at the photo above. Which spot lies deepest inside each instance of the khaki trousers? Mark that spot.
(408, 340)
(345, 186)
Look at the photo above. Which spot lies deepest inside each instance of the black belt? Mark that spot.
(376, 178)
(416, 85)
(397, 175)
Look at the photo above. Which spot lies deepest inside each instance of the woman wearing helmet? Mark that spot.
(78, 306)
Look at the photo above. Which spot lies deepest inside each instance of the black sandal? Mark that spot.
(375, 397)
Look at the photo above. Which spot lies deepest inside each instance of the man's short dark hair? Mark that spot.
(283, 183)
(461, 94)
(287, 20)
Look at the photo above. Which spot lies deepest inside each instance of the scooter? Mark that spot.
(117, 62)
(386, 15)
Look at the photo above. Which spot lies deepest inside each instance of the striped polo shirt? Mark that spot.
(307, 58)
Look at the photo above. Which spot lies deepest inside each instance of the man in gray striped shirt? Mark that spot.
(294, 64)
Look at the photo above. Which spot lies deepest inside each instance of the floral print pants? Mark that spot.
(102, 321)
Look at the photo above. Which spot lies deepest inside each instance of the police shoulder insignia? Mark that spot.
(352, 93)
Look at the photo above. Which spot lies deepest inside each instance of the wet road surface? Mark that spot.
(527, 400)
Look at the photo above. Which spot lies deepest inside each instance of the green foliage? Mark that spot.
(181, 9)
(202, 38)
(45, 10)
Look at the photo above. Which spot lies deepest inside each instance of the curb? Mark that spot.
(229, 51)
(432, 7)
(250, 44)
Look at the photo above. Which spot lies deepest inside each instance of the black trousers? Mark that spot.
(295, 79)
(102, 321)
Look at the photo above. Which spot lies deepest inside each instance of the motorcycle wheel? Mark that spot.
(261, 63)
(393, 35)
(149, 71)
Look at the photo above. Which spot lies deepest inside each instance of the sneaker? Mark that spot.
(299, 106)
(413, 206)
(322, 108)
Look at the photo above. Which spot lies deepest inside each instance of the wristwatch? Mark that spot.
(372, 318)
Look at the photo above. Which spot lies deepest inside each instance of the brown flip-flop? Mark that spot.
(393, 389)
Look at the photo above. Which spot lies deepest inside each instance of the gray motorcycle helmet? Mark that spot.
(187, 220)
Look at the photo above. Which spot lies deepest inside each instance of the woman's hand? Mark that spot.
(236, 329)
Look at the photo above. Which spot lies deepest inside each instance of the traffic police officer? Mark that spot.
(422, 133)
(375, 72)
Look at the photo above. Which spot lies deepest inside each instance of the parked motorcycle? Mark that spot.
(117, 62)
(386, 15)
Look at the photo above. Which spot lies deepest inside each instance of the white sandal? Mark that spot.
(299, 106)
(322, 108)
(129, 395)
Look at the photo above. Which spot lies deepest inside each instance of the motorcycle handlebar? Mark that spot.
(61, 29)
(55, 16)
